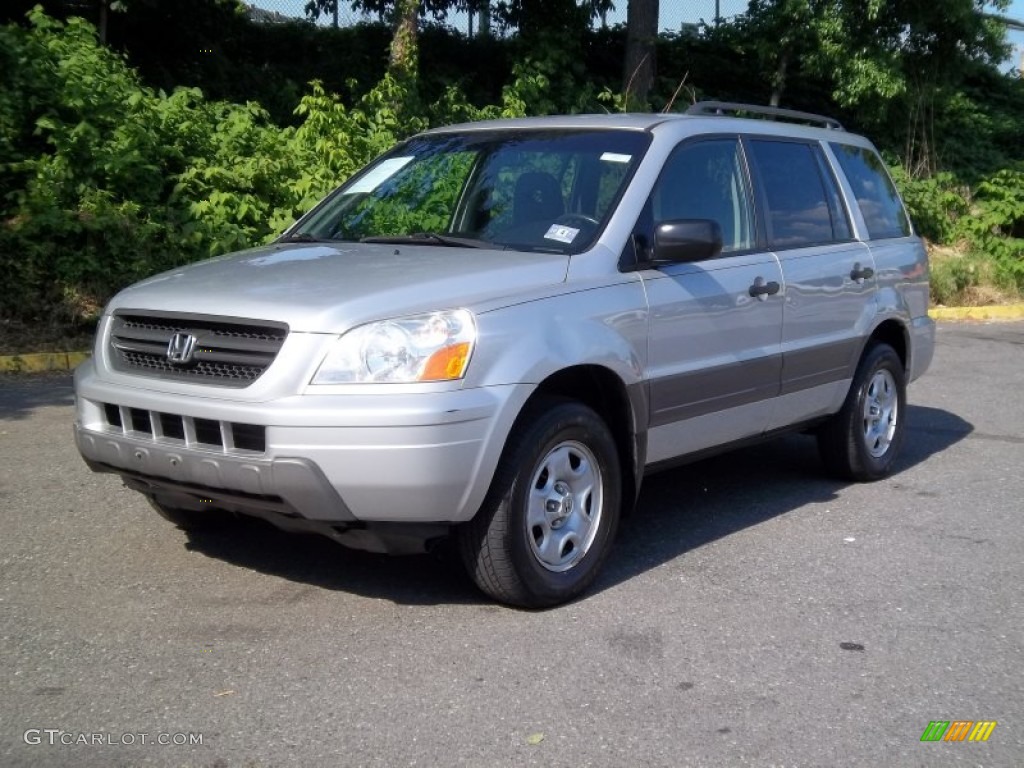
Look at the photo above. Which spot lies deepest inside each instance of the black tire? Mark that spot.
(551, 556)
(859, 443)
(191, 519)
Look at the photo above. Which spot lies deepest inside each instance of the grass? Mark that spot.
(964, 278)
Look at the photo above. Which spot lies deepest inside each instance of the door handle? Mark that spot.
(762, 290)
(859, 274)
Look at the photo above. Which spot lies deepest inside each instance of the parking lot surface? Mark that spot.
(753, 613)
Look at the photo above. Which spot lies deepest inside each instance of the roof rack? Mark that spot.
(730, 108)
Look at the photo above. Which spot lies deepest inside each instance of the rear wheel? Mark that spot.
(549, 519)
(861, 442)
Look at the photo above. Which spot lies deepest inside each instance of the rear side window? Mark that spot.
(803, 203)
(876, 195)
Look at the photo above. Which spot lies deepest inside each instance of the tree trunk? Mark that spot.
(484, 16)
(641, 33)
(403, 62)
(104, 14)
(779, 84)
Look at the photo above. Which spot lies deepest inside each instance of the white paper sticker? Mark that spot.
(378, 175)
(614, 157)
(561, 233)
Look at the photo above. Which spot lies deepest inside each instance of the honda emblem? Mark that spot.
(180, 348)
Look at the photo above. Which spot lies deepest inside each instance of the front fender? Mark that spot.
(603, 325)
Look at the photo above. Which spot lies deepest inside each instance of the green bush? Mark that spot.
(105, 180)
(936, 204)
(988, 221)
(996, 223)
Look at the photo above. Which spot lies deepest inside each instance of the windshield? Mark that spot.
(550, 190)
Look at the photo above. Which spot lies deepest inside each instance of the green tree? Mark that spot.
(899, 61)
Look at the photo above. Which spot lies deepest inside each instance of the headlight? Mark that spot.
(432, 347)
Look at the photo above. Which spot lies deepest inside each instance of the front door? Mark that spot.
(716, 325)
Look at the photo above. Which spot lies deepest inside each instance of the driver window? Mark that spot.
(705, 180)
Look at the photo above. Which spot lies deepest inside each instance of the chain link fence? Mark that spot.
(680, 15)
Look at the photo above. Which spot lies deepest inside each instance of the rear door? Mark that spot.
(829, 276)
(715, 325)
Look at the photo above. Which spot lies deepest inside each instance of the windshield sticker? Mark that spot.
(615, 157)
(561, 233)
(379, 175)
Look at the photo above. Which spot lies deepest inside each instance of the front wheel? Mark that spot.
(862, 440)
(548, 521)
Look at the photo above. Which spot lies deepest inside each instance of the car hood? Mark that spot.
(330, 287)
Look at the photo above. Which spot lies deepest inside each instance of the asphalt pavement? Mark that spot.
(753, 613)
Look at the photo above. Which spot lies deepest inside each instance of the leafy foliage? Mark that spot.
(987, 220)
(108, 181)
(936, 203)
(105, 178)
(996, 222)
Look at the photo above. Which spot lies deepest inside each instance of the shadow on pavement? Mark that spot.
(678, 511)
(689, 507)
(23, 393)
(311, 559)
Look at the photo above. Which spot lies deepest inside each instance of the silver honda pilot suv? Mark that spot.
(494, 331)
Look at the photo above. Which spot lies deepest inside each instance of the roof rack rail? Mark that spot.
(732, 108)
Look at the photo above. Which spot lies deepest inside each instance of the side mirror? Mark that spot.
(682, 240)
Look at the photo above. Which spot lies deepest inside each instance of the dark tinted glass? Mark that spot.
(876, 196)
(840, 222)
(799, 211)
(706, 180)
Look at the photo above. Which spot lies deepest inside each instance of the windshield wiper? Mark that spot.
(303, 237)
(431, 238)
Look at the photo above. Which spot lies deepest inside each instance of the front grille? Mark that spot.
(207, 431)
(227, 352)
(227, 436)
(140, 420)
(171, 426)
(249, 437)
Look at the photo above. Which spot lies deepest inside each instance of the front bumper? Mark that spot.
(403, 457)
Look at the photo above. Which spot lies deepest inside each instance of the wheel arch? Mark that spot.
(622, 407)
(895, 334)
